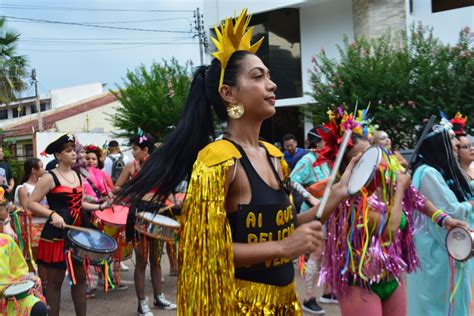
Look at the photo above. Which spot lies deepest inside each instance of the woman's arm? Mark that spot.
(23, 198)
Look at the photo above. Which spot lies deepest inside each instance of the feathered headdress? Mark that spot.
(232, 37)
(332, 131)
(459, 122)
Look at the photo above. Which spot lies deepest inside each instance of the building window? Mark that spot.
(28, 150)
(3, 114)
(444, 5)
(19, 111)
(281, 49)
(33, 109)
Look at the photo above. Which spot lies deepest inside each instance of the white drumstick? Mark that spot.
(332, 177)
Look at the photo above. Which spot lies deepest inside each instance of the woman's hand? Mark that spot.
(57, 221)
(342, 185)
(305, 239)
(106, 204)
(450, 222)
(312, 200)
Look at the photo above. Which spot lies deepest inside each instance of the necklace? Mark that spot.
(62, 175)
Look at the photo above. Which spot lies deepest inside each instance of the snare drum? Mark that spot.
(94, 245)
(157, 226)
(459, 243)
(18, 290)
(368, 171)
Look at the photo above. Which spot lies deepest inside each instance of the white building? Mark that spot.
(54, 99)
(296, 30)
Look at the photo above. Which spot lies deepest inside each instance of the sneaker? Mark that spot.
(143, 308)
(328, 298)
(122, 287)
(123, 267)
(162, 303)
(311, 306)
(89, 292)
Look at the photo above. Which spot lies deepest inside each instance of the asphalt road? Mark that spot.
(125, 302)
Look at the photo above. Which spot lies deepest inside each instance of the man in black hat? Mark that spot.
(115, 161)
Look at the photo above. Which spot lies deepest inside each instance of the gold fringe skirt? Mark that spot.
(263, 299)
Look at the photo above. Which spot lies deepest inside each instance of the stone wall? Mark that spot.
(372, 18)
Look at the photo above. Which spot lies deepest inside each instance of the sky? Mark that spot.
(65, 55)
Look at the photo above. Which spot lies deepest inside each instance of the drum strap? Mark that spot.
(94, 188)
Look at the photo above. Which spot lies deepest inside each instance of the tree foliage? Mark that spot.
(13, 67)
(405, 78)
(152, 99)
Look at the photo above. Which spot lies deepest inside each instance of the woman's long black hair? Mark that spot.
(174, 159)
(28, 166)
(437, 152)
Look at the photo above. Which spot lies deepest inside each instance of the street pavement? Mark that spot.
(125, 303)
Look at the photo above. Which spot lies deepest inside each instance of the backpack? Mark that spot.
(117, 167)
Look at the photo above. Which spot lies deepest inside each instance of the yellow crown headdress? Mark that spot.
(232, 37)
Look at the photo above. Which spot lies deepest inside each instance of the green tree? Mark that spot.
(153, 98)
(405, 78)
(13, 67)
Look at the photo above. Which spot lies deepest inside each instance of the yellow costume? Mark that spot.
(12, 268)
(206, 284)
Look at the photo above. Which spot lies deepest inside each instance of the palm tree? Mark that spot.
(13, 67)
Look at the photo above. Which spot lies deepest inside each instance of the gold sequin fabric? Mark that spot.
(255, 299)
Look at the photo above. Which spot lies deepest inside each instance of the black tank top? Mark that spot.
(269, 216)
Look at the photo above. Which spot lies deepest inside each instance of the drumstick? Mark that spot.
(107, 190)
(332, 177)
(82, 229)
(428, 126)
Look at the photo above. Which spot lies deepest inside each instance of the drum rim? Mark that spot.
(379, 159)
(446, 243)
(31, 285)
(105, 251)
(158, 237)
(178, 225)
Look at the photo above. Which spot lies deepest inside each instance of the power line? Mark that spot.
(36, 7)
(104, 49)
(94, 25)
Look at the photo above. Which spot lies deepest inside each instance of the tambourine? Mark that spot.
(368, 172)
(19, 290)
(460, 243)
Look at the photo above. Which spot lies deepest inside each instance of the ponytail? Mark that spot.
(172, 162)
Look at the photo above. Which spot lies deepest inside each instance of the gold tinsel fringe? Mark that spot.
(263, 299)
(206, 260)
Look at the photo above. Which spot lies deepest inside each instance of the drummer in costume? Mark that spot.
(311, 171)
(438, 176)
(239, 232)
(146, 248)
(15, 269)
(369, 238)
(63, 189)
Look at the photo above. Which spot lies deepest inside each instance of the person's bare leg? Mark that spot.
(155, 265)
(139, 274)
(78, 291)
(53, 293)
(170, 251)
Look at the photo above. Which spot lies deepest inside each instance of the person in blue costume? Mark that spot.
(438, 176)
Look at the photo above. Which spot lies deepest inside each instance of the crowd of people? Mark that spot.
(252, 214)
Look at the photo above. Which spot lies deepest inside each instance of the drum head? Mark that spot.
(94, 240)
(117, 214)
(18, 288)
(160, 220)
(364, 170)
(459, 243)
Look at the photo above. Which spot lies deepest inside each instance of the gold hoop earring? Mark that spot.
(235, 111)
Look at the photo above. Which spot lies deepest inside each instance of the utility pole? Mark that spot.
(201, 33)
(37, 101)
